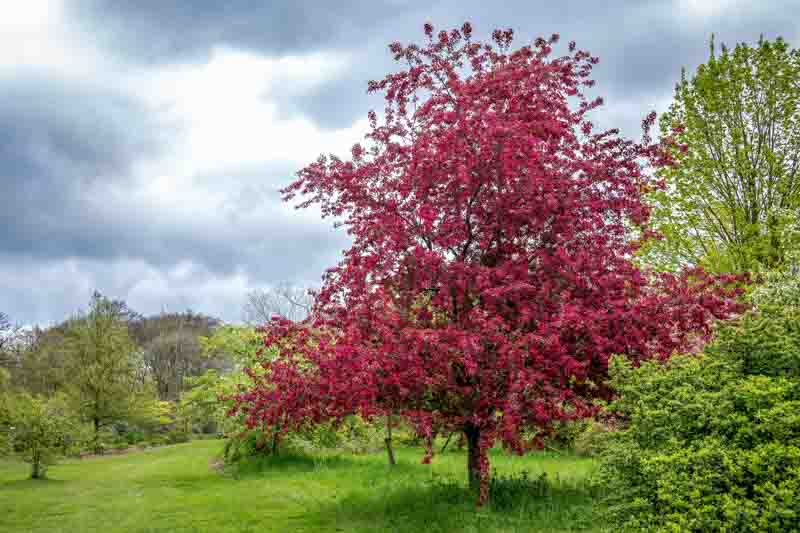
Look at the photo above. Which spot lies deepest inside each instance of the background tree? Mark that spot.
(206, 399)
(282, 299)
(490, 278)
(6, 410)
(5, 329)
(8, 338)
(38, 359)
(171, 349)
(100, 364)
(731, 203)
(38, 429)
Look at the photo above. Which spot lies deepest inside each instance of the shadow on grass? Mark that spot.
(287, 463)
(25, 483)
(518, 503)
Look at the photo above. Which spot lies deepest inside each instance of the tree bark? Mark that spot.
(473, 435)
(450, 436)
(275, 443)
(36, 464)
(388, 440)
(96, 422)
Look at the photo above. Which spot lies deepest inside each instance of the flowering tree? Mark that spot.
(491, 275)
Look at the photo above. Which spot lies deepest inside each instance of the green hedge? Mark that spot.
(710, 442)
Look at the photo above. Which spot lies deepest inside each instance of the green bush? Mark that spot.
(134, 437)
(177, 436)
(250, 443)
(590, 440)
(38, 431)
(710, 442)
(353, 435)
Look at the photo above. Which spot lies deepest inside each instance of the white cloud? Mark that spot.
(37, 35)
(704, 9)
(229, 117)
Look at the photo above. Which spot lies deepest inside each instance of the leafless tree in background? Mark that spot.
(284, 299)
(9, 340)
(171, 351)
(5, 328)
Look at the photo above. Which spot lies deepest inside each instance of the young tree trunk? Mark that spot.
(388, 440)
(473, 435)
(449, 436)
(96, 422)
(275, 441)
(36, 464)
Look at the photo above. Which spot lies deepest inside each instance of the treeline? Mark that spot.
(162, 349)
(109, 377)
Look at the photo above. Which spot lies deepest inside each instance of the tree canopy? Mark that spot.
(491, 274)
(731, 201)
(102, 374)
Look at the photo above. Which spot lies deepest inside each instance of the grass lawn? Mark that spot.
(175, 489)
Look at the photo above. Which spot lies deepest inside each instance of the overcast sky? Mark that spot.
(143, 143)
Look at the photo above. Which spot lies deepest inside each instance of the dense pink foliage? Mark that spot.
(490, 278)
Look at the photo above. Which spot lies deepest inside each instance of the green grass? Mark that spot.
(175, 489)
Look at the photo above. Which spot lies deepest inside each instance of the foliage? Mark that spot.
(731, 202)
(102, 381)
(39, 360)
(39, 430)
(591, 440)
(171, 349)
(711, 443)
(6, 410)
(206, 401)
(352, 434)
(777, 289)
(246, 444)
(239, 344)
(490, 276)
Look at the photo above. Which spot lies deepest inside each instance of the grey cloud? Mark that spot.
(159, 30)
(58, 140)
(642, 46)
(64, 147)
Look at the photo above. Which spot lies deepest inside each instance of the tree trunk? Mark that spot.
(275, 441)
(388, 440)
(36, 464)
(96, 422)
(473, 435)
(450, 436)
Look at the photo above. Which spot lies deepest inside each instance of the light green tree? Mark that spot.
(38, 430)
(731, 203)
(201, 403)
(102, 382)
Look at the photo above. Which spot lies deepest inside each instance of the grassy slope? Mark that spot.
(174, 489)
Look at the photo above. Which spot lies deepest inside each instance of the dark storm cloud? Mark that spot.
(166, 30)
(57, 140)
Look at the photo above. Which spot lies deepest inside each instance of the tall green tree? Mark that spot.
(732, 200)
(101, 365)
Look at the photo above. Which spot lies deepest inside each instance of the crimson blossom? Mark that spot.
(491, 274)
